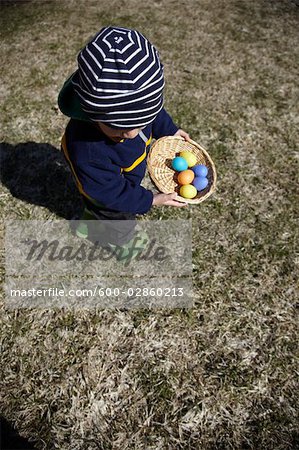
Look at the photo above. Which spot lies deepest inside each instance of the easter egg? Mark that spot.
(200, 183)
(185, 177)
(188, 191)
(189, 157)
(179, 164)
(200, 170)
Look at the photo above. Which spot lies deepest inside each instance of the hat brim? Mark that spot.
(69, 103)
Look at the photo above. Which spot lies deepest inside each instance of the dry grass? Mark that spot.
(224, 374)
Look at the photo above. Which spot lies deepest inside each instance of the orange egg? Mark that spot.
(186, 176)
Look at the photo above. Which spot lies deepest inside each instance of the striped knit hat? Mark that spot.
(120, 79)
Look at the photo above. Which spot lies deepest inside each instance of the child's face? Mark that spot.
(117, 134)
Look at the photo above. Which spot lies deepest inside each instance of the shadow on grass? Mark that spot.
(37, 173)
(10, 439)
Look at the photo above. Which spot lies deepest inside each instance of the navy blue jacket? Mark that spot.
(110, 172)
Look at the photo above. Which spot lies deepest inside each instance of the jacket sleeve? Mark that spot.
(102, 181)
(163, 125)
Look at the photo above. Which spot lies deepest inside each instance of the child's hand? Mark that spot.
(168, 200)
(183, 134)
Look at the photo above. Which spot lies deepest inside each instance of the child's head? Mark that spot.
(119, 81)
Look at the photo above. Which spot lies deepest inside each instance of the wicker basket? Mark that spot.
(159, 162)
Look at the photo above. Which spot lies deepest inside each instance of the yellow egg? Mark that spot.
(185, 177)
(188, 191)
(189, 157)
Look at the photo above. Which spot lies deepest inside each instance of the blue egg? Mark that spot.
(200, 183)
(200, 170)
(179, 164)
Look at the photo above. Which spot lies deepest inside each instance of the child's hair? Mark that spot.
(120, 79)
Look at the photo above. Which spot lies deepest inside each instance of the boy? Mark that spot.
(115, 103)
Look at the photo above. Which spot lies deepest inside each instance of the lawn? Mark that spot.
(224, 374)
